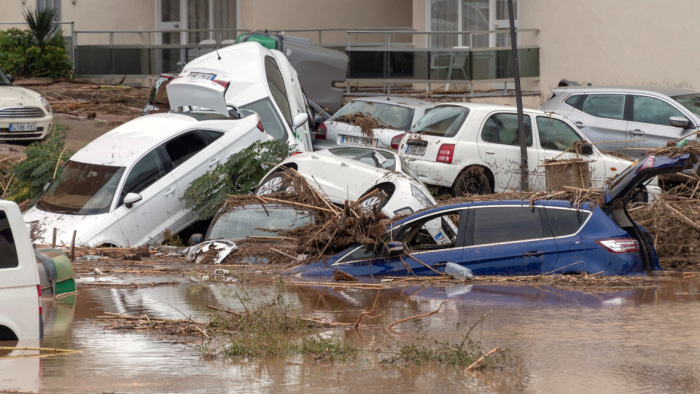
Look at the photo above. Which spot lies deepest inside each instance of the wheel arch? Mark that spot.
(487, 171)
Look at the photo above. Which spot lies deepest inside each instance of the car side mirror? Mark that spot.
(131, 199)
(300, 119)
(679, 121)
(393, 248)
(10, 78)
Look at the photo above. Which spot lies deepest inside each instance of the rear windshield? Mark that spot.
(396, 116)
(372, 157)
(690, 101)
(8, 252)
(3, 79)
(441, 121)
(82, 189)
(257, 221)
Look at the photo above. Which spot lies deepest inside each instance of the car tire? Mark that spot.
(275, 183)
(376, 201)
(473, 180)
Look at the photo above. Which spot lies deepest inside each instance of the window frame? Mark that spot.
(631, 100)
(625, 105)
(470, 225)
(526, 118)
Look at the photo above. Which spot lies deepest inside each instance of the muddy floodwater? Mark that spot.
(562, 340)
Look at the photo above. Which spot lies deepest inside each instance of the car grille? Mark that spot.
(6, 135)
(21, 112)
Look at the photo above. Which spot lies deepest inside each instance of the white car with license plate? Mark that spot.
(475, 148)
(260, 80)
(124, 188)
(350, 173)
(395, 115)
(25, 115)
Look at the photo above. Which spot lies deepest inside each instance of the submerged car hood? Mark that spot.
(644, 169)
(14, 96)
(85, 226)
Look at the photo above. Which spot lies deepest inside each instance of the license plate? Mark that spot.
(415, 150)
(23, 127)
(196, 75)
(350, 139)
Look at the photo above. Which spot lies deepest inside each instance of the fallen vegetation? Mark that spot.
(366, 122)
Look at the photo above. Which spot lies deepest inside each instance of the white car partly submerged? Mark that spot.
(351, 173)
(124, 188)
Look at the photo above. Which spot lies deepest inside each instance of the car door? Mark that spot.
(192, 154)
(145, 220)
(424, 254)
(649, 125)
(499, 147)
(339, 177)
(566, 224)
(508, 240)
(554, 138)
(601, 117)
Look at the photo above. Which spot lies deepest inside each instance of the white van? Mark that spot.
(20, 292)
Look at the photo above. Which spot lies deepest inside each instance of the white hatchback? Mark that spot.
(350, 173)
(25, 115)
(124, 188)
(448, 144)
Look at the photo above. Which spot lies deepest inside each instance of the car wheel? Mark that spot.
(375, 202)
(471, 181)
(274, 184)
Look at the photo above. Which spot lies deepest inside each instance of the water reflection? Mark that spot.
(630, 339)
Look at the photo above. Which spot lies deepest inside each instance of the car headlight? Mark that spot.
(403, 211)
(45, 104)
(420, 196)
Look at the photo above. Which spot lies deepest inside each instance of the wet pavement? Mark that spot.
(610, 340)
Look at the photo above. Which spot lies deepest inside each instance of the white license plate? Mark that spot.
(415, 150)
(207, 76)
(350, 139)
(23, 127)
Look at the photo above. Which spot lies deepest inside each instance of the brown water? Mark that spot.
(627, 340)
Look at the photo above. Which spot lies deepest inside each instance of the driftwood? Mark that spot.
(482, 358)
(418, 316)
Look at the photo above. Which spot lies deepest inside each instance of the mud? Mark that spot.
(366, 122)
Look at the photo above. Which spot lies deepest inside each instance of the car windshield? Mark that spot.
(159, 94)
(82, 189)
(4, 81)
(257, 221)
(441, 121)
(690, 101)
(396, 116)
(269, 117)
(372, 157)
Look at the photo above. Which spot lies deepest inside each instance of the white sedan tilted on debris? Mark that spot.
(350, 173)
(475, 148)
(124, 188)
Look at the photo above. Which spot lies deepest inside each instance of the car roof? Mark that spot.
(542, 203)
(398, 100)
(128, 142)
(665, 90)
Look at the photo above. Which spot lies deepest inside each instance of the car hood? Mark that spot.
(621, 187)
(85, 226)
(192, 89)
(14, 96)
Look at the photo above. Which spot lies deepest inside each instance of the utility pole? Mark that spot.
(518, 100)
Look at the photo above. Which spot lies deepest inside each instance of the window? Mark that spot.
(279, 92)
(268, 116)
(439, 232)
(689, 101)
(506, 224)
(8, 251)
(52, 5)
(257, 221)
(573, 100)
(611, 106)
(214, 135)
(144, 173)
(652, 110)
(442, 121)
(555, 134)
(468, 16)
(566, 221)
(183, 147)
(503, 129)
(82, 189)
(379, 159)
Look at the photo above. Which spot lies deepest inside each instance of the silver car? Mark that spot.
(628, 119)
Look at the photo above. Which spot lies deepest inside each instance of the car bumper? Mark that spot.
(434, 173)
(44, 126)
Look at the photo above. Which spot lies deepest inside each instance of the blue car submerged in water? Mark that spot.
(512, 237)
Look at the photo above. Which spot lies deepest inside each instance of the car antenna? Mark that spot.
(217, 55)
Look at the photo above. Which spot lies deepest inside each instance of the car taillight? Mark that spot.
(38, 290)
(619, 245)
(396, 141)
(261, 127)
(321, 132)
(445, 153)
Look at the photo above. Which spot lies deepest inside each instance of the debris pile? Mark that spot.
(366, 122)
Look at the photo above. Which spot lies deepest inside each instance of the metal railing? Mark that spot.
(432, 58)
